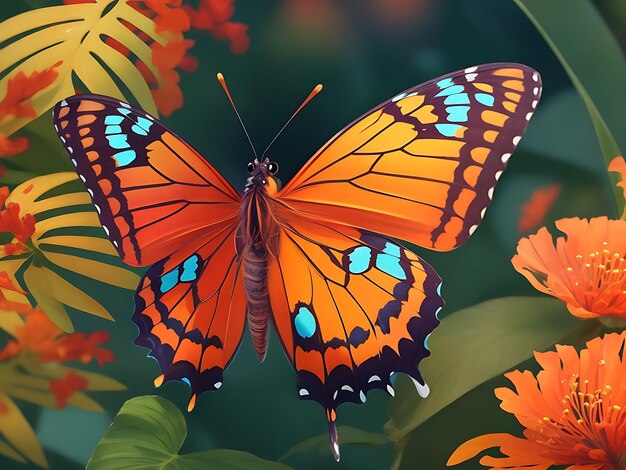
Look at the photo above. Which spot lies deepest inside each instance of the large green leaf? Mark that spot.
(473, 345)
(595, 65)
(347, 435)
(148, 432)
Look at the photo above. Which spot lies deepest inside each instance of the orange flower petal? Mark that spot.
(618, 165)
(63, 389)
(573, 411)
(10, 147)
(537, 207)
(585, 269)
(22, 87)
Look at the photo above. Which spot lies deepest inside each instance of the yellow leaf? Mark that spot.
(98, 245)
(29, 191)
(102, 272)
(9, 321)
(51, 292)
(75, 35)
(19, 433)
(7, 451)
(74, 219)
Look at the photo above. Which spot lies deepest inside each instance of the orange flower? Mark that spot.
(40, 336)
(213, 16)
(22, 227)
(618, 165)
(65, 388)
(10, 147)
(586, 269)
(21, 88)
(574, 412)
(537, 207)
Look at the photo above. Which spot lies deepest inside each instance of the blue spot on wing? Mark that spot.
(138, 130)
(485, 99)
(186, 380)
(125, 158)
(118, 141)
(450, 90)
(169, 281)
(459, 98)
(457, 113)
(392, 249)
(113, 130)
(124, 111)
(144, 123)
(390, 265)
(305, 323)
(449, 130)
(360, 259)
(113, 120)
(446, 82)
(190, 268)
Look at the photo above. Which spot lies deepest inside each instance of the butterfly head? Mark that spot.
(262, 176)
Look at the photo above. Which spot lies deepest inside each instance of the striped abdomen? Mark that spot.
(256, 242)
(255, 284)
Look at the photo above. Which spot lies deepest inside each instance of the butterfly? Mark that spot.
(318, 258)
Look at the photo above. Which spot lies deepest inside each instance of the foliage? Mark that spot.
(56, 243)
(32, 370)
(596, 67)
(149, 431)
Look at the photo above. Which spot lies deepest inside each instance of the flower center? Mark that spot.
(587, 425)
(601, 278)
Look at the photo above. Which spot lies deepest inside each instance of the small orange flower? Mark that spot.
(66, 387)
(22, 227)
(537, 207)
(40, 336)
(618, 165)
(574, 412)
(214, 16)
(585, 269)
(21, 89)
(10, 147)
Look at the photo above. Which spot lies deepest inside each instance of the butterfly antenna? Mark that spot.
(314, 92)
(220, 78)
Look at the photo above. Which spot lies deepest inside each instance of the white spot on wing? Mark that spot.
(216, 384)
(528, 116)
(471, 69)
(398, 97)
(422, 389)
(362, 396)
(490, 193)
(505, 157)
(106, 230)
(534, 103)
(373, 378)
(347, 388)
(390, 390)
(536, 91)
(535, 76)
(482, 213)
(303, 392)
(83, 178)
(498, 175)
(63, 103)
(470, 77)
(516, 139)
(126, 105)
(472, 229)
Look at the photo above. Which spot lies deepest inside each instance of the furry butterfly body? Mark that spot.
(319, 258)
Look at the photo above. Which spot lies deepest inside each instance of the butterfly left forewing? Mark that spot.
(154, 193)
(351, 308)
(423, 165)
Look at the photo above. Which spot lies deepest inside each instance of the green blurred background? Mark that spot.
(363, 52)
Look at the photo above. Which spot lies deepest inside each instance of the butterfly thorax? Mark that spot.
(257, 240)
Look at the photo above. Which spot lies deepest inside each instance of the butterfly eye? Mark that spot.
(250, 167)
(273, 168)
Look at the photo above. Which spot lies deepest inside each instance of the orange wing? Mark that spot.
(351, 309)
(153, 192)
(422, 166)
(190, 310)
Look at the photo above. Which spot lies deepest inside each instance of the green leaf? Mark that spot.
(596, 67)
(347, 435)
(149, 431)
(474, 345)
